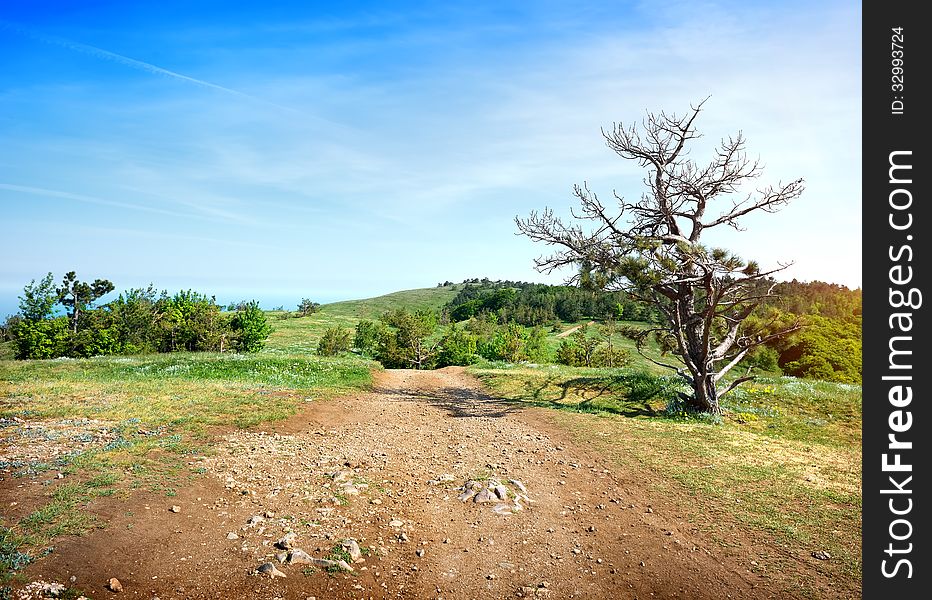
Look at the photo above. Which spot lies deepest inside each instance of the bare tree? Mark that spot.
(652, 249)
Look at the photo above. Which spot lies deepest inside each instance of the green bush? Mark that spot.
(333, 342)
(368, 334)
(407, 343)
(250, 328)
(568, 353)
(458, 347)
(42, 339)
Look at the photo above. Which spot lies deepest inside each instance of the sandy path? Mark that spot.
(590, 532)
(572, 330)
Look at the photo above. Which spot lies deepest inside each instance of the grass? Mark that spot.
(63, 514)
(184, 391)
(783, 464)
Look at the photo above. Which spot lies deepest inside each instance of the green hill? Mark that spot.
(293, 335)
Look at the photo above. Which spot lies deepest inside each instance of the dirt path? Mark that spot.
(572, 330)
(386, 469)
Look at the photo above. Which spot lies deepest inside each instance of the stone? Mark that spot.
(270, 570)
(232, 536)
(175, 509)
(420, 552)
(501, 509)
(821, 555)
(501, 491)
(254, 520)
(281, 557)
(287, 541)
(351, 547)
(396, 523)
(299, 557)
(114, 585)
(344, 566)
(485, 495)
(467, 495)
(518, 485)
(340, 475)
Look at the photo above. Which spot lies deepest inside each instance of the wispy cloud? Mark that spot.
(136, 64)
(38, 191)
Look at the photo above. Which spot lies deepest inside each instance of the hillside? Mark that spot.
(302, 334)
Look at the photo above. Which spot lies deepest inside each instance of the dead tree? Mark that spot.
(652, 249)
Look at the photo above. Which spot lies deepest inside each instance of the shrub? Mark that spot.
(333, 342)
(366, 340)
(250, 328)
(48, 338)
(307, 307)
(606, 356)
(458, 347)
(568, 353)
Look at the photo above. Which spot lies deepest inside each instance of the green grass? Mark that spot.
(189, 391)
(784, 463)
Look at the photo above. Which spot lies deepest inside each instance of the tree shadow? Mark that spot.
(458, 402)
(628, 395)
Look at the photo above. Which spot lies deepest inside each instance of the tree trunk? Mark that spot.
(705, 395)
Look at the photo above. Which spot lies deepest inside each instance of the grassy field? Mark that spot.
(784, 463)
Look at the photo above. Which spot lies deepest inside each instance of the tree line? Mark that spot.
(826, 346)
(532, 304)
(138, 321)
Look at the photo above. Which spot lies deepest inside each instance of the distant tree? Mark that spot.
(48, 338)
(135, 316)
(334, 341)
(407, 345)
(586, 345)
(306, 307)
(191, 321)
(250, 328)
(652, 248)
(8, 328)
(38, 299)
(77, 296)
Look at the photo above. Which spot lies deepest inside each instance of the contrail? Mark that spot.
(132, 62)
(25, 189)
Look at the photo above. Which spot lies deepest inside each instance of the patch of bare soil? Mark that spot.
(386, 469)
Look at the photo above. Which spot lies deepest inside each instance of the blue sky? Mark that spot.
(342, 150)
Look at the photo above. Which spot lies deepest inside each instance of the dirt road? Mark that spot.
(386, 469)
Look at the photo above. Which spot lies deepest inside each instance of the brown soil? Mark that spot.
(592, 531)
(572, 330)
